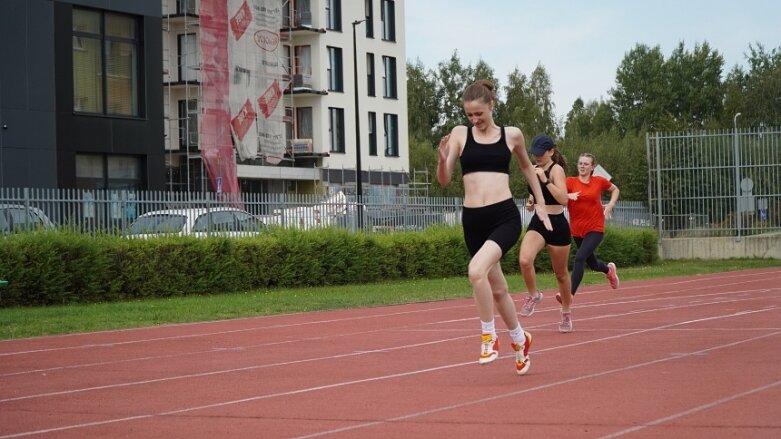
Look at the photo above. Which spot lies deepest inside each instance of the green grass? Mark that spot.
(29, 322)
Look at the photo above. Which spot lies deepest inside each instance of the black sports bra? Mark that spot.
(550, 200)
(485, 157)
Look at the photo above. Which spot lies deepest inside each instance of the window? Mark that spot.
(389, 81)
(186, 7)
(188, 57)
(372, 133)
(289, 124)
(106, 68)
(333, 15)
(288, 61)
(303, 67)
(388, 20)
(103, 171)
(188, 125)
(303, 13)
(370, 89)
(304, 123)
(336, 128)
(369, 11)
(391, 135)
(335, 75)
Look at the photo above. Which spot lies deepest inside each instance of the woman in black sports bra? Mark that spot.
(491, 220)
(550, 172)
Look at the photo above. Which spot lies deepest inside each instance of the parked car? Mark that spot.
(200, 222)
(17, 218)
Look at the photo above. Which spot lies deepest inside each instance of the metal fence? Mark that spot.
(114, 211)
(715, 183)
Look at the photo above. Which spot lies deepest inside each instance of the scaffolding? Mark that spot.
(182, 104)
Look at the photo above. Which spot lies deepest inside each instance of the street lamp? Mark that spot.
(738, 219)
(358, 182)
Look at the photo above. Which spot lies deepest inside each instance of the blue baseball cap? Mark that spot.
(541, 144)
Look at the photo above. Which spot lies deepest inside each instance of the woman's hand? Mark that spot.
(542, 214)
(608, 211)
(530, 204)
(540, 174)
(573, 196)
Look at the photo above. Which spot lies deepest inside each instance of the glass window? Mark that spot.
(100, 171)
(186, 7)
(304, 123)
(369, 11)
(188, 125)
(388, 20)
(336, 128)
(391, 135)
(389, 83)
(303, 67)
(372, 133)
(188, 57)
(303, 13)
(248, 223)
(106, 71)
(370, 89)
(220, 221)
(333, 15)
(335, 76)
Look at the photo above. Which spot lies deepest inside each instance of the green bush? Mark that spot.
(46, 268)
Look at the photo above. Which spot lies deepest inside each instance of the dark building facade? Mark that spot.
(81, 100)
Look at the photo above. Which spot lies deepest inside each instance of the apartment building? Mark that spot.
(319, 41)
(80, 94)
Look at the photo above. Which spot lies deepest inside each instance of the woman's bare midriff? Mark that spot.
(486, 188)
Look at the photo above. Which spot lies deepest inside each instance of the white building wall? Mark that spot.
(351, 10)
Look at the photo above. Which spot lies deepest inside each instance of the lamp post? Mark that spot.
(358, 182)
(738, 219)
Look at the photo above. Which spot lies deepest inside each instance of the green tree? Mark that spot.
(451, 78)
(422, 105)
(756, 93)
(694, 83)
(641, 95)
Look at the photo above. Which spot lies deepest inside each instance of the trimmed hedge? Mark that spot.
(45, 268)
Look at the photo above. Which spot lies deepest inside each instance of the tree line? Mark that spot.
(686, 91)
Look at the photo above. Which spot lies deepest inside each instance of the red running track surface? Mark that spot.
(685, 357)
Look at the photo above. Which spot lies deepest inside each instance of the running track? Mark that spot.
(693, 357)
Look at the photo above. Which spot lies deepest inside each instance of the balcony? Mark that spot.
(303, 84)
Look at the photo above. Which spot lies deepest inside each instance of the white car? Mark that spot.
(17, 217)
(200, 222)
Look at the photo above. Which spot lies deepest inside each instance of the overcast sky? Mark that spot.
(581, 43)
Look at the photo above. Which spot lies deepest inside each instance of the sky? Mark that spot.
(582, 43)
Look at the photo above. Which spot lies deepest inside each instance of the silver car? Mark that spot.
(200, 222)
(17, 218)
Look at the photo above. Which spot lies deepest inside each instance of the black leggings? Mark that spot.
(585, 255)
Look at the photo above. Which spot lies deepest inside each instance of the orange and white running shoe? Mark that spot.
(522, 360)
(489, 349)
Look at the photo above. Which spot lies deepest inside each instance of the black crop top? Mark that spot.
(482, 157)
(550, 200)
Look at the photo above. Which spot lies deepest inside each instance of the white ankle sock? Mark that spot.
(489, 327)
(517, 334)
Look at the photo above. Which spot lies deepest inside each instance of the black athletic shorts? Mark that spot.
(499, 222)
(560, 235)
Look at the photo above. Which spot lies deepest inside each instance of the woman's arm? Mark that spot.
(447, 153)
(614, 192)
(516, 140)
